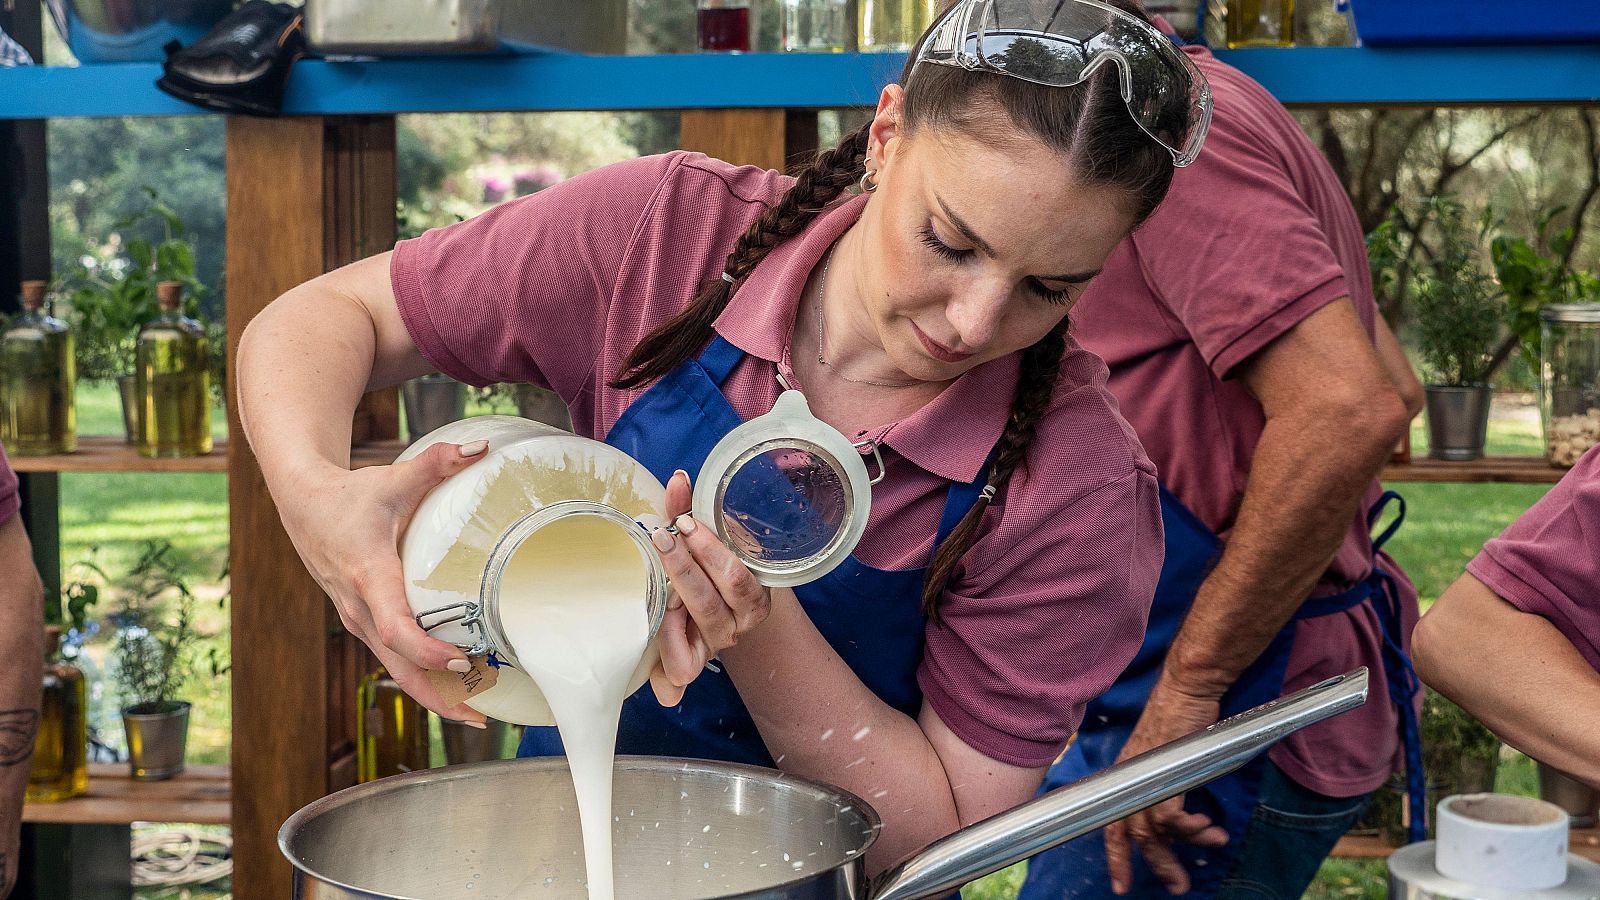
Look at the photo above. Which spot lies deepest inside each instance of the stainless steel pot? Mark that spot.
(130, 30)
(694, 830)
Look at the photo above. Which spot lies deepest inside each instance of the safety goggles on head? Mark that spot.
(1060, 43)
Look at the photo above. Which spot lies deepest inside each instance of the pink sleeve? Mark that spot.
(1239, 216)
(1050, 611)
(1547, 563)
(521, 292)
(10, 500)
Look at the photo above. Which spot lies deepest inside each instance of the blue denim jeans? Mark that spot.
(1291, 832)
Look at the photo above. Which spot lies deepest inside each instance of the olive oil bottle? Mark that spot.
(391, 729)
(172, 381)
(60, 767)
(37, 377)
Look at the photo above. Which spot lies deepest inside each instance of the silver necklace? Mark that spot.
(822, 338)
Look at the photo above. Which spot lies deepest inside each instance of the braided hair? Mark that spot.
(1087, 123)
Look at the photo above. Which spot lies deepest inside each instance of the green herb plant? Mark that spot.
(1458, 308)
(155, 640)
(1535, 273)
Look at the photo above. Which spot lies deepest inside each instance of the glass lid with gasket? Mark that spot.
(787, 493)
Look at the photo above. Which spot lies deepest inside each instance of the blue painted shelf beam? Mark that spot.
(540, 82)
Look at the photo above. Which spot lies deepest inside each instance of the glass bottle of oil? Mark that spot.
(893, 25)
(171, 381)
(1260, 23)
(60, 767)
(37, 376)
(391, 729)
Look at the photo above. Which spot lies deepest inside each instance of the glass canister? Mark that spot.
(1569, 380)
(723, 26)
(37, 378)
(60, 765)
(818, 26)
(1260, 23)
(893, 25)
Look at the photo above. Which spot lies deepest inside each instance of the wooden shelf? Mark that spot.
(1509, 469)
(1584, 842)
(375, 453)
(201, 794)
(110, 453)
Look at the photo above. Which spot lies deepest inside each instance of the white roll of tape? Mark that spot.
(1501, 841)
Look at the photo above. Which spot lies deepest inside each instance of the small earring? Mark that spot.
(867, 184)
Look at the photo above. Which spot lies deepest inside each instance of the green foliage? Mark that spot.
(1535, 273)
(1450, 733)
(156, 639)
(1457, 307)
(113, 299)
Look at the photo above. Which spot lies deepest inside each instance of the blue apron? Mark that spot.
(1077, 869)
(871, 617)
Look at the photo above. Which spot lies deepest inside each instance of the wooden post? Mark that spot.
(305, 195)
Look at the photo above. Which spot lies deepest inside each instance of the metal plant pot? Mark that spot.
(1579, 800)
(128, 390)
(540, 405)
(1458, 421)
(156, 739)
(432, 402)
(120, 31)
(694, 830)
(464, 744)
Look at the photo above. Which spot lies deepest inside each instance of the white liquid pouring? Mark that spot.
(573, 609)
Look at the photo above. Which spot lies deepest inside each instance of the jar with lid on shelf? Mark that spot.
(816, 26)
(172, 377)
(724, 26)
(37, 380)
(59, 768)
(1569, 380)
(1260, 23)
(893, 25)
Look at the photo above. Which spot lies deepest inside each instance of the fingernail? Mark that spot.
(478, 725)
(686, 524)
(661, 539)
(681, 473)
(458, 665)
(474, 448)
(674, 601)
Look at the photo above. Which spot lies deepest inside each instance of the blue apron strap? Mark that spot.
(1376, 512)
(719, 358)
(958, 502)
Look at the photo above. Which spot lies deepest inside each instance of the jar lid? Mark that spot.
(787, 493)
(1570, 312)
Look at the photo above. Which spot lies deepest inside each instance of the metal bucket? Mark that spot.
(432, 402)
(128, 390)
(1580, 801)
(156, 741)
(465, 744)
(696, 830)
(1458, 420)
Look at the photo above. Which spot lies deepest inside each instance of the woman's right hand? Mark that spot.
(346, 527)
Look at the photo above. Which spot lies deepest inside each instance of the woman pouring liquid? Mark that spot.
(914, 283)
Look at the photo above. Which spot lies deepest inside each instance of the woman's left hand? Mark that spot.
(715, 597)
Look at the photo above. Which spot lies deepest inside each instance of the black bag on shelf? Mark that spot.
(242, 65)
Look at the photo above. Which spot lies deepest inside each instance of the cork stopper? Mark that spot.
(169, 294)
(52, 640)
(33, 295)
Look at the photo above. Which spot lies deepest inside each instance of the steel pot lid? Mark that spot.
(787, 493)
(1571, 312)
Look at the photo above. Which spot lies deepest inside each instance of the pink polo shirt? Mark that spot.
(1548, 561)
(1048, 604)
(1254, 237)
(10, 501)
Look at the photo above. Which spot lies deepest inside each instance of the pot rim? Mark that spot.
(182, 707)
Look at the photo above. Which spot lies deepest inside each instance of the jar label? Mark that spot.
(457, 687)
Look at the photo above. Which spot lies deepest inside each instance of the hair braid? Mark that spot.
(680, 337)
(1041, 366)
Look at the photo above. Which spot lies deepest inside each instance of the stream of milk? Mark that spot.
(572, 606)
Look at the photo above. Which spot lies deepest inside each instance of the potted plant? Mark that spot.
(1459, 756)
(432, 401)
(154, 652)
(1458, 311)
(112, 300)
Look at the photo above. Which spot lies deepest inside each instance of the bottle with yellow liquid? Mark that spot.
(391, 729)
(172, 381)
(1260, 23)
(893, 25)
(37, 379)
(60, 767)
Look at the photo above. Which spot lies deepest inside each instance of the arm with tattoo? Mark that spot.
(21, 612)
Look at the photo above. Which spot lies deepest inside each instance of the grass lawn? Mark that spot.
(104, 516)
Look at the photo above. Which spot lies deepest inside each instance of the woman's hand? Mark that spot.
(715, 597)
(346, 528)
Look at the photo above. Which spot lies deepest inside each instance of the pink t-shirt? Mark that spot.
(1047, 606)
(1254, 237)
(10, 501)
(1548, 561)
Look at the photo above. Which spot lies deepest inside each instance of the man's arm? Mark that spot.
(21, 628)
(1333, 415)
(1516, 672)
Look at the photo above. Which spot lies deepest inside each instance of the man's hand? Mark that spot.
(1170, 713)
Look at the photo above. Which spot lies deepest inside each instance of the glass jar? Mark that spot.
(817, 26)
(60, 765)
(391, 729)
(723, 26)
(1260, 23)
(172, 378)
(1569, 380)
(37, 379)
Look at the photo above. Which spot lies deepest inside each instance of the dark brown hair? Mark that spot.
(1087, 123)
